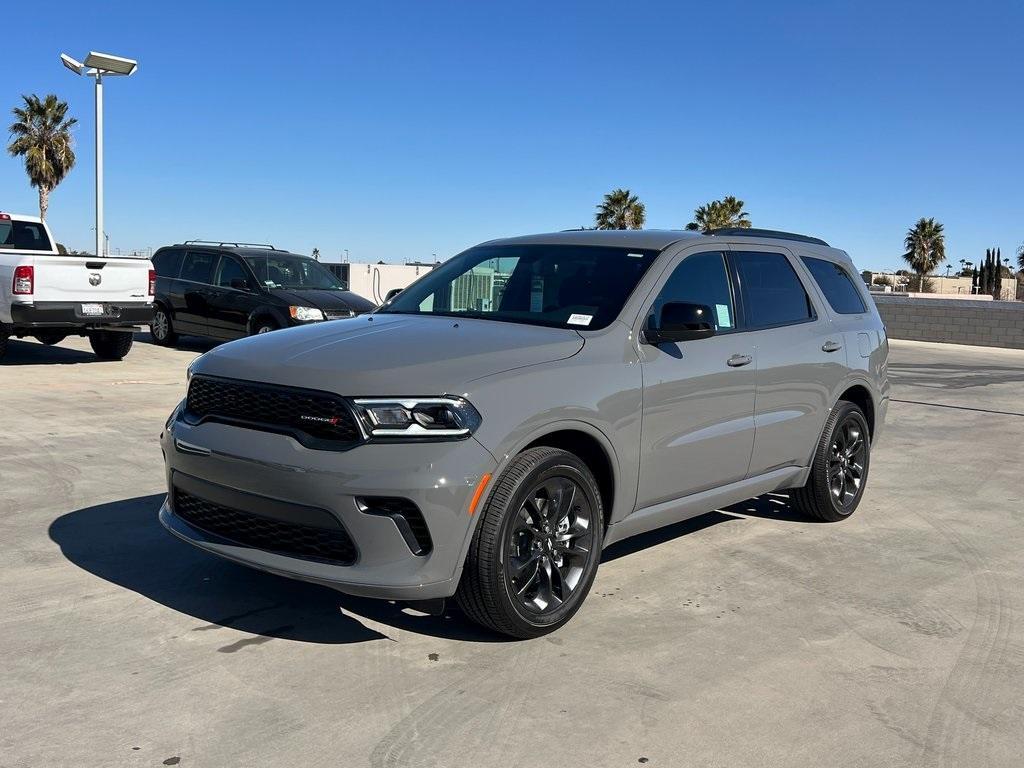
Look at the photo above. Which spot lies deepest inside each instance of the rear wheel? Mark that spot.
(110, 345)
(3, 343)
(49, 338)
(537, 546)
(839, 470)
(162, 329)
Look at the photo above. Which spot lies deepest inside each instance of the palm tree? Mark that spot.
(42, 135)
(1020, 257)
(719, 214)
(620, 209)
(926, 247)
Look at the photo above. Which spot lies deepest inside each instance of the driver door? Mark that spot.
(698, 396)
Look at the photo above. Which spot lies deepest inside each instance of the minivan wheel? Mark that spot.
(839, 470)
(161, 329)
(110, 345)
(537, 546)
(265, 326)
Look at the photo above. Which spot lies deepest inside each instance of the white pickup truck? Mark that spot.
(51, 296)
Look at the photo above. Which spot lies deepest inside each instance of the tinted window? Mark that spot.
(571, 286)
(288, 271)
(168, 263)
(230, 270)
(23, 236)
(772, 292)
(198, 267)
(837, 286)
(701, 278)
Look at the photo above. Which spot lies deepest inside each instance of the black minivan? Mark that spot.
(230, 290)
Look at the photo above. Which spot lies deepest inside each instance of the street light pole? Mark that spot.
(100, 65)
(100, 250)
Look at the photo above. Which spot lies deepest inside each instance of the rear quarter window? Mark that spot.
(168, 263)
(837, 285)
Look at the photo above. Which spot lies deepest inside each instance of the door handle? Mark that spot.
(831, 346)
(738, 361)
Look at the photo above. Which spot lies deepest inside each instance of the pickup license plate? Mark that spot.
(92, 310)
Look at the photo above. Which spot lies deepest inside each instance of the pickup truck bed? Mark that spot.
(50, 296)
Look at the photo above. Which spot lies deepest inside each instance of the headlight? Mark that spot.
(305, 314)
(418, 417)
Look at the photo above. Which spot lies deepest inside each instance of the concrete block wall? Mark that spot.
(984, 323)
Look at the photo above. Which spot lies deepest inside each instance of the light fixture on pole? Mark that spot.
(98, 66)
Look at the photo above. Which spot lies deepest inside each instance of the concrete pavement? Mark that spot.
(747, 637)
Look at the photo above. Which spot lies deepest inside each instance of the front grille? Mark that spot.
(315, 419)
(329, 545)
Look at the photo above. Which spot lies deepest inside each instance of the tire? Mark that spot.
(839, 469)
(556, 567)
(264, 325)
(50, 338)
(110, 345)
(3, 344)
(162, 328)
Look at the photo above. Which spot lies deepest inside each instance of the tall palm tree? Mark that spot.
(718, 214)
(926, 247)
(1020, 257)
(620, 209)
(42, 135)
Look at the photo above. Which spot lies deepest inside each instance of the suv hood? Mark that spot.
(323, 299)
(388, 355)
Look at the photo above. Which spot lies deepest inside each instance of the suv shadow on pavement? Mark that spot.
(124, 543)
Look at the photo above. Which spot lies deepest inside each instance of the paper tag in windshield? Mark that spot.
(575, 319)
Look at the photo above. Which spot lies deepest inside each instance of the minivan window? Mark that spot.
(167, 263)
(701, 278)
(291, 271)
(772, 292)
(198, 267)
(230, 270)
(836, 284)
(23, 236)
(565, 286)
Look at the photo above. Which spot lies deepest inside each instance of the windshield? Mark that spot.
(568, 286)
(23, 236)
(288, 271)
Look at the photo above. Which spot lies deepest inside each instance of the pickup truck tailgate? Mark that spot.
(81, 278)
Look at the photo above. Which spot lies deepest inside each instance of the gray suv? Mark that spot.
(486, 433)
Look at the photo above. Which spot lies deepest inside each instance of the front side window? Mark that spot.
(772, 292)
(835, 283)
(701, 278)
(23, 236)
(198, 267)
(230, 271)
(290, 271)
(563, 286)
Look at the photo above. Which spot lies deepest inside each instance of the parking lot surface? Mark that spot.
(747, 637)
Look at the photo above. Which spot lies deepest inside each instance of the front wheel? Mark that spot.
(264, 325)
(839, 469)
(537, 546)
(110, 345)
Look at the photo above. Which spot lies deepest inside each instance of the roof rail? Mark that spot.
(770, 233)
(230, 245)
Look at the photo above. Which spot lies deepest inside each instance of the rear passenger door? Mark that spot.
(197, 272)
(800, 357)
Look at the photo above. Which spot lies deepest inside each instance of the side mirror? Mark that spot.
(680, 321)
(391, 294)
(240, 284)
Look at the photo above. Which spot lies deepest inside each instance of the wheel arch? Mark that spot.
(859, 394)
(261, 313)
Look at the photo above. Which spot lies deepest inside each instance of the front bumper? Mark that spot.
(60, 314)
(272, 475)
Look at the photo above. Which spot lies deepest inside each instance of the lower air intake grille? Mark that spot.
(284, 538)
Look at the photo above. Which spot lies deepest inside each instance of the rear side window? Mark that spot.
(198, 266)
(836, 284)
(167, 263)
(772, 292)
(23, 236)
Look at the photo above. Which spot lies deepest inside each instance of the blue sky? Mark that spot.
(402, 129)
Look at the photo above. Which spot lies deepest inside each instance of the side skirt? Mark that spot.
(677, 510)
